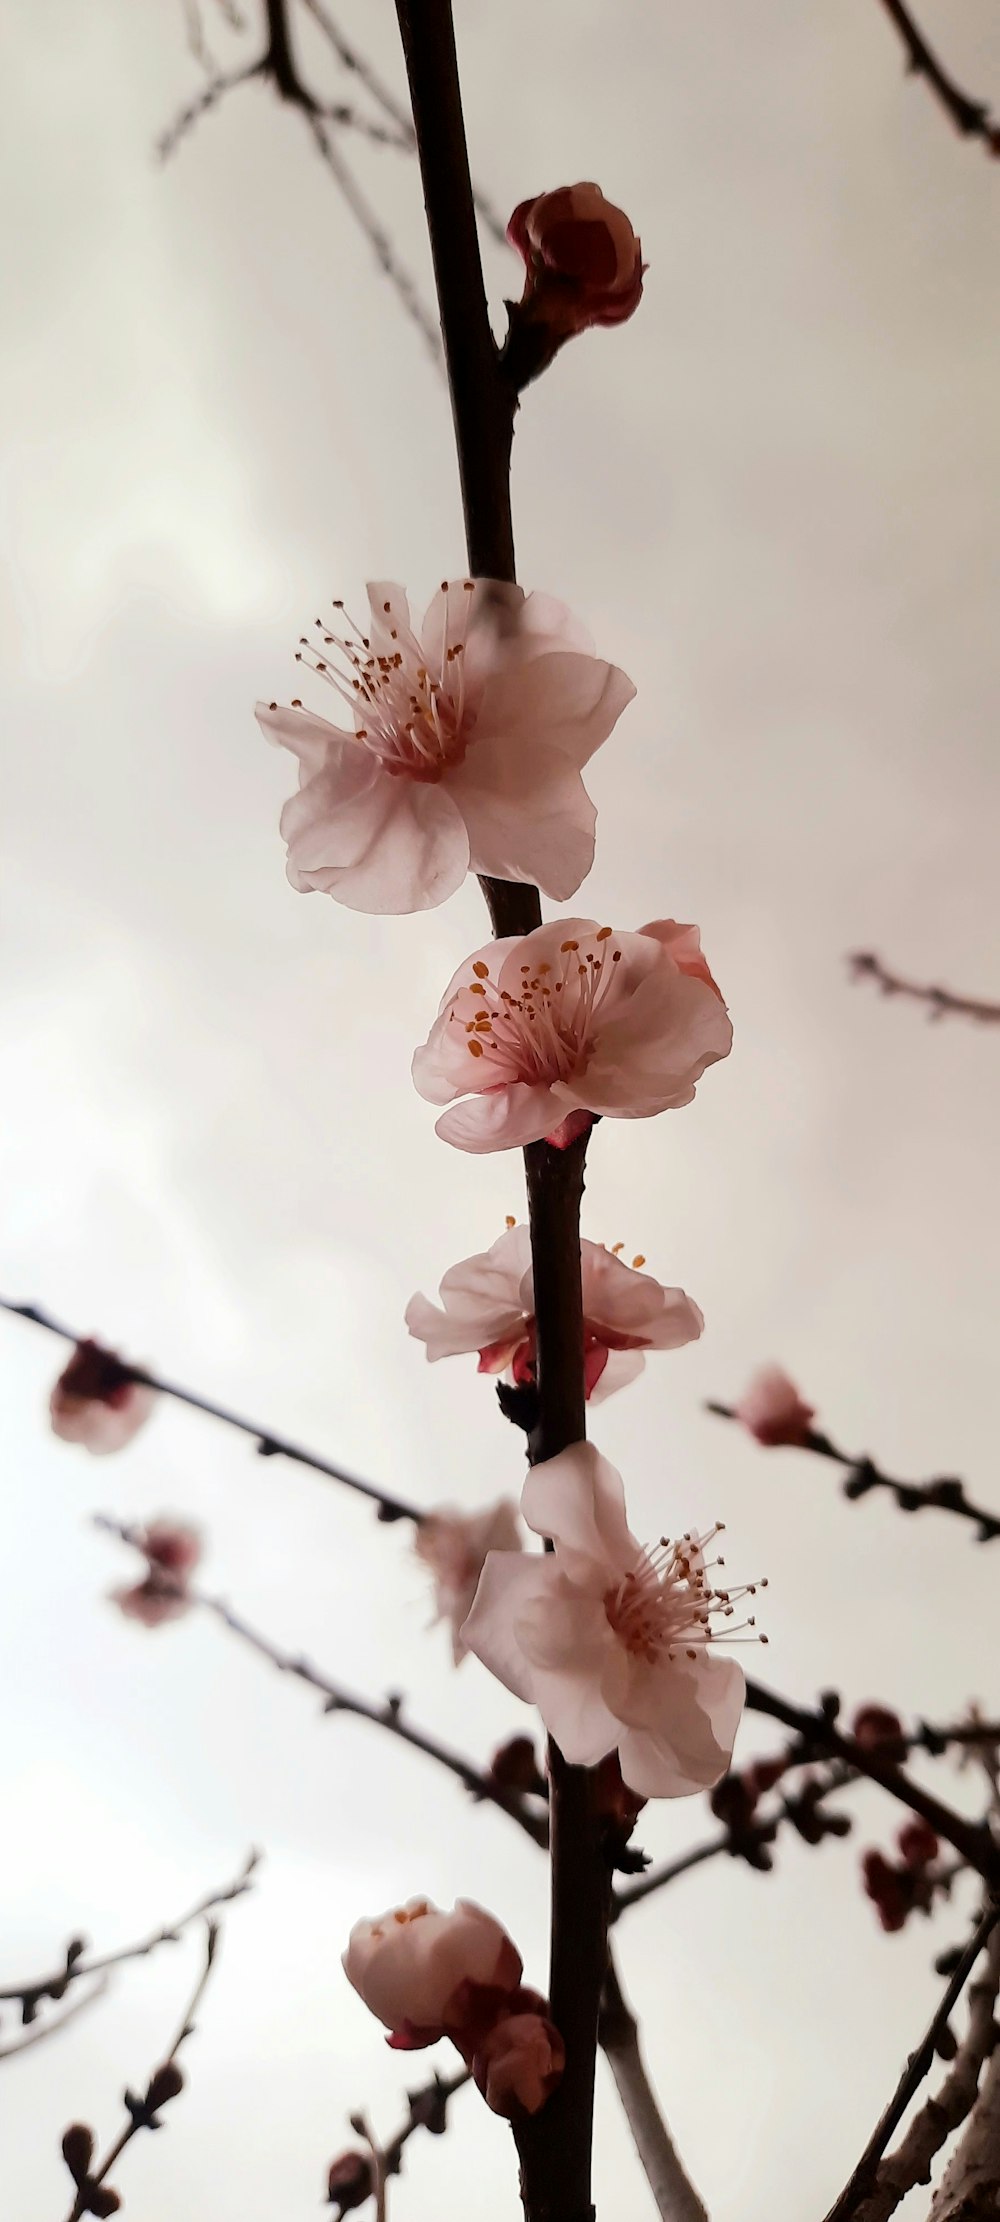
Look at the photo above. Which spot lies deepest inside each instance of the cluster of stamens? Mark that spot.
(547, 1031)
(666, 1606)
(415, 720)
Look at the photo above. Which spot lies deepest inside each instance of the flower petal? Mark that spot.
(417, 856)
(528, 817)
(309, 737)
(650, 1053)
(578, 1499)
(575, 1713)
(508, 1583)
(501, 1119)
(571, 702)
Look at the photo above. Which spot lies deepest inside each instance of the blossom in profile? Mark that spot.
(95, 1403)
(582, 261)
(544, 1032)
(172, 1550)
(772, 1409)
(488, 1305)
(617, 1646)
(426, 1974)
(518, 2063)
(459, 747)
(454, 1546)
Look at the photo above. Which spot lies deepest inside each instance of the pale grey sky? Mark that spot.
(773, 496)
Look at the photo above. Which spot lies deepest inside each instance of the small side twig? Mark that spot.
(77, 1964)
(939, 1002)
(673, 2192)
(944, 1493)
(788, 1812)
(53, 2023)
(877, 2185)
(338, 1699)
(971, 118)
(94, 2194)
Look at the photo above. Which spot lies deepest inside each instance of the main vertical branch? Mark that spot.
(555, 2146)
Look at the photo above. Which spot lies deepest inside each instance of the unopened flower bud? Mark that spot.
(164, 2084)
(95, 1402)
(78, 2150)
(350, 2181)
(875, 1728)
(582, 259)
(518, 2064)
(423, 1972)
(772, 1409)
(918, 1845)
(514, 1766)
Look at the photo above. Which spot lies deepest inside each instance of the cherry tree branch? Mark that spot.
(338, 1699)
(77, 1963)
(269, 1444)
(52, 2024)
(943, 1494)
(164, 2084)
(819, 1737)
(970, 117)
(674, 2193)
(555, 2146)
(789, 1812)
(876, 2186)
(940, 1002)
(367, 2178)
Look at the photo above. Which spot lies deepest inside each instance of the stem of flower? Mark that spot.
(555, 2146)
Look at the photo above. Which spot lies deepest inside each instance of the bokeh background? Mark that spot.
(773, 496)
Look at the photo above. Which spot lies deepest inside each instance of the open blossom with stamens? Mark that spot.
(488, 1304)
(615, 1645)
(172, 1550)
(772, 1409)
(544, 1032)
(426, 1974)
(461, 751)
(454, 1545)
(94, 1402)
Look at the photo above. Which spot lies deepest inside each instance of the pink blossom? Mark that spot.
(454, 1546)
(95, 1403)
(569, 1022)
(773, 1410)
(462, 749)
(424, 1973)
(582, 260)
(172, 1550)
(518, 2063)
(488, 1304)
(614, 1644)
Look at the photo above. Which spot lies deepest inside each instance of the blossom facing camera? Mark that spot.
(614, 1644)
(582, 262)
(426, 1974)
(488, 1305)
(518, 2064)
(772, 1409)
(95, 1403)
(459, 749)
(543, 1033)
(454, 1546)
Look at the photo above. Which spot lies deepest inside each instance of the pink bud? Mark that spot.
(773, 1410)
(350, 2181)
(95, 1403)
(518, 2064)
(583, 263)
(918, 1845)
(151, 1602)
(172, 1547)
(874, 1727)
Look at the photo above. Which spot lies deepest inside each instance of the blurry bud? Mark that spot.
(514, 1766)
(886, 1886)
(582, 266)
(946, 2043)
(96, 1403)
(918, 1845)
(350, 2181)
(762, 1775)
(99, 2199)
(772, 1409)
(164, 2084)
(78, 2151)
(172, 1546)
(518, 2064)
(613, 1799)
(875, 1728)
(733, 1802)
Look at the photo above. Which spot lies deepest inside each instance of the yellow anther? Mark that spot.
(474, 1048)
(510, 1220)
(481, 970)
(565, 947)
(640, 1260)
(603, 933)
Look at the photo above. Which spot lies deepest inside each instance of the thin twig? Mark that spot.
(77, 1965)
(52, 2024)
(338, 1699)
(375, 233)
(269, 1443)
(873, 2192)
(758, 1833)
(352, 59)
(944, 1493)
(940, 1002)
(970, 117)
(144, 2113)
